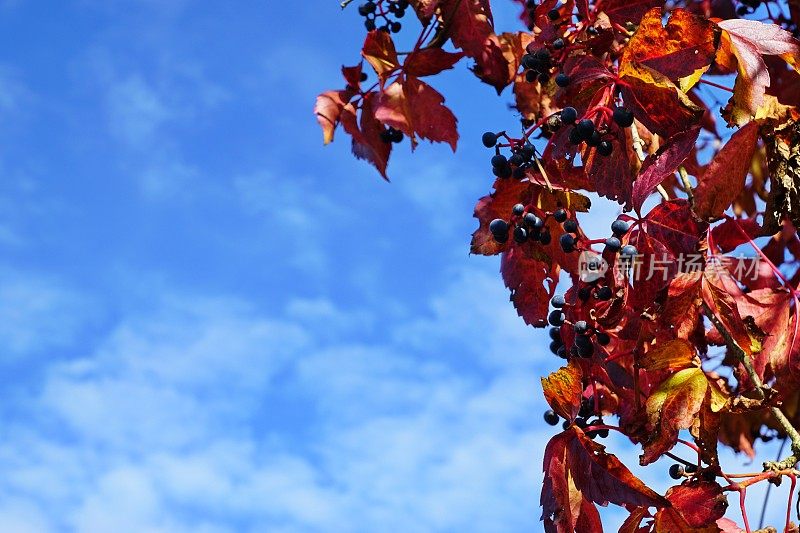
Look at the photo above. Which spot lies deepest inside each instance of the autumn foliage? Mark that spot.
(679, 326)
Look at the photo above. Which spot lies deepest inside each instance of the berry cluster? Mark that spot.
(582, 420)
(373, 10)
(583, 345)
(391, 135)
(521, 159)
(528, 223)
(537, 64)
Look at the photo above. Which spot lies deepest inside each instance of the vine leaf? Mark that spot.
(724, 177)
(682, 50)
(563, 390)
(578, 471)
(749, 41)
(657, 167)
(699, 503)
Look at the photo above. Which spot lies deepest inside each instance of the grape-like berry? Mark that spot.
(489, 139)
(551, 417)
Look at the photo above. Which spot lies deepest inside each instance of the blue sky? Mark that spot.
(210, 322)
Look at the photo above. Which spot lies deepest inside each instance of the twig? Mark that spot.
(784, 422)
(686, 183)
(345, 3)
(769, 487)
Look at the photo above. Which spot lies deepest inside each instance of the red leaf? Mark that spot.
(724, 177)
(563, 390)
(622, 11)
(613, 175)
(379, 52)
(671, 224)
(656, 102)
(431, 119)
(352, 75)
(659, 166)
(727, 237)
(577, 469)
(700, 503)
(532, 282)
(367, 143)
(430, 61)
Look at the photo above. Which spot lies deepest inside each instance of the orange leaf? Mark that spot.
(563, 389)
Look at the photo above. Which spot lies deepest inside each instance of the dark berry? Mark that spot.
(545, 237)
(502, 172)
(531, 62)
(605, 148)
(575, 136)
(613, 245)
(555, 334)
(623, 117)
(558, 301)
(580, 327)
(533, 221)
(584, 293)
(560, 215)
(594, 139)
(551, 417)
(587, 407)
(629, 250)
(562, 80)
(571, 226)
(363, 76)
(619, 227)
(366, 8)
(489, 139)
(531, 76)
(565, 425)
(585, 128)
(499, 160)
(558, 44)
(555, 318)
(386, 136)
(690, 469)
(591, 30)
(604, 293)
(520, 234)
(602, 338)
(562, 352)
(369, 24)
(602, 433)
(516, 160)
(676, 471)
(553, 14)
(569, 115)
(498, 226)
(519, 173)
(395, 27)
(555, 346)
(543, 78)
(567, 242)
(518, 209)
(397, 136)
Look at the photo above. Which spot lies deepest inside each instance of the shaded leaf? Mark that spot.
(379, 52)
(700, 503)
(367, 143)
(657, 102)
(676, 354)
(664, 163)
(430, 61)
